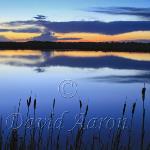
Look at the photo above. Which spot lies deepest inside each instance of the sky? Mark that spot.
(75, 20)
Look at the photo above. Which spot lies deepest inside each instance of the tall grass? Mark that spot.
(131, 126)
(37, 139)
(143, 117)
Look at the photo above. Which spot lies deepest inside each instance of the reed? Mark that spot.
(143, 118)
(1, 133)
(79, 135)
(116, 141)
(50, 126)
(131, 125)
(36, 139)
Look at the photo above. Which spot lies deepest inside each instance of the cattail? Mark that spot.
(80, 104)
(53, 103)
(87, 108)
(124, 108)
(130, 130)
(133, 107)
(143, 119)
(34, 103)
(29, 102)
(19, 102)
(51, 115)
(143, 92)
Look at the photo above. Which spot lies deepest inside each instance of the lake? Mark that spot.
(103, 80)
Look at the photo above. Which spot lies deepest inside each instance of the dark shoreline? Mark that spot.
(85, 46)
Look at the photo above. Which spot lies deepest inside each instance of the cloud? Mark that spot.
(45, 37)
(108, 28)
(40, 17)
(130, 11)
(3, 39)
(27, 30)
(50, 36)
(67, 39)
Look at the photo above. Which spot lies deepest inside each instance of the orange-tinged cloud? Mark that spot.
(91, 37)
(14, 36)
(81, 37)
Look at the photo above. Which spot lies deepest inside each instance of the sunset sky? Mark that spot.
(75, 20)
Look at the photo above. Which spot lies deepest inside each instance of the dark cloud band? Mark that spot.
(139, 12)
(110, 28)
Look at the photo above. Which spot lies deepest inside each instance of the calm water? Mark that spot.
(101, 80)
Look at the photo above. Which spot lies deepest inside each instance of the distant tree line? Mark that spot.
(86, 46)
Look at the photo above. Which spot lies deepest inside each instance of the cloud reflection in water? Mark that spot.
(40, 61)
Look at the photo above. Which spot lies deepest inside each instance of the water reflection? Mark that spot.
(134, 56)
(135, 66)
(96, 74)
(138, 78)
(81, 59)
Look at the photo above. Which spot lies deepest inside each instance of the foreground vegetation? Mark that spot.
(95, 46)
(34, 138)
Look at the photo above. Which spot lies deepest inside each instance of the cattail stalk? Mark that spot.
(80, 131)
(119, 130)
(50, 129)
(130, 131)
(1, 134)
(143, 118)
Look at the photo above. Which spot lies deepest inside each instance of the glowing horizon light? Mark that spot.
(80, 37)
(15, 36)
(94, 37)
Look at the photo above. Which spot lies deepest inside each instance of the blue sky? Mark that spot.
(64, 10)
(75, 20)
